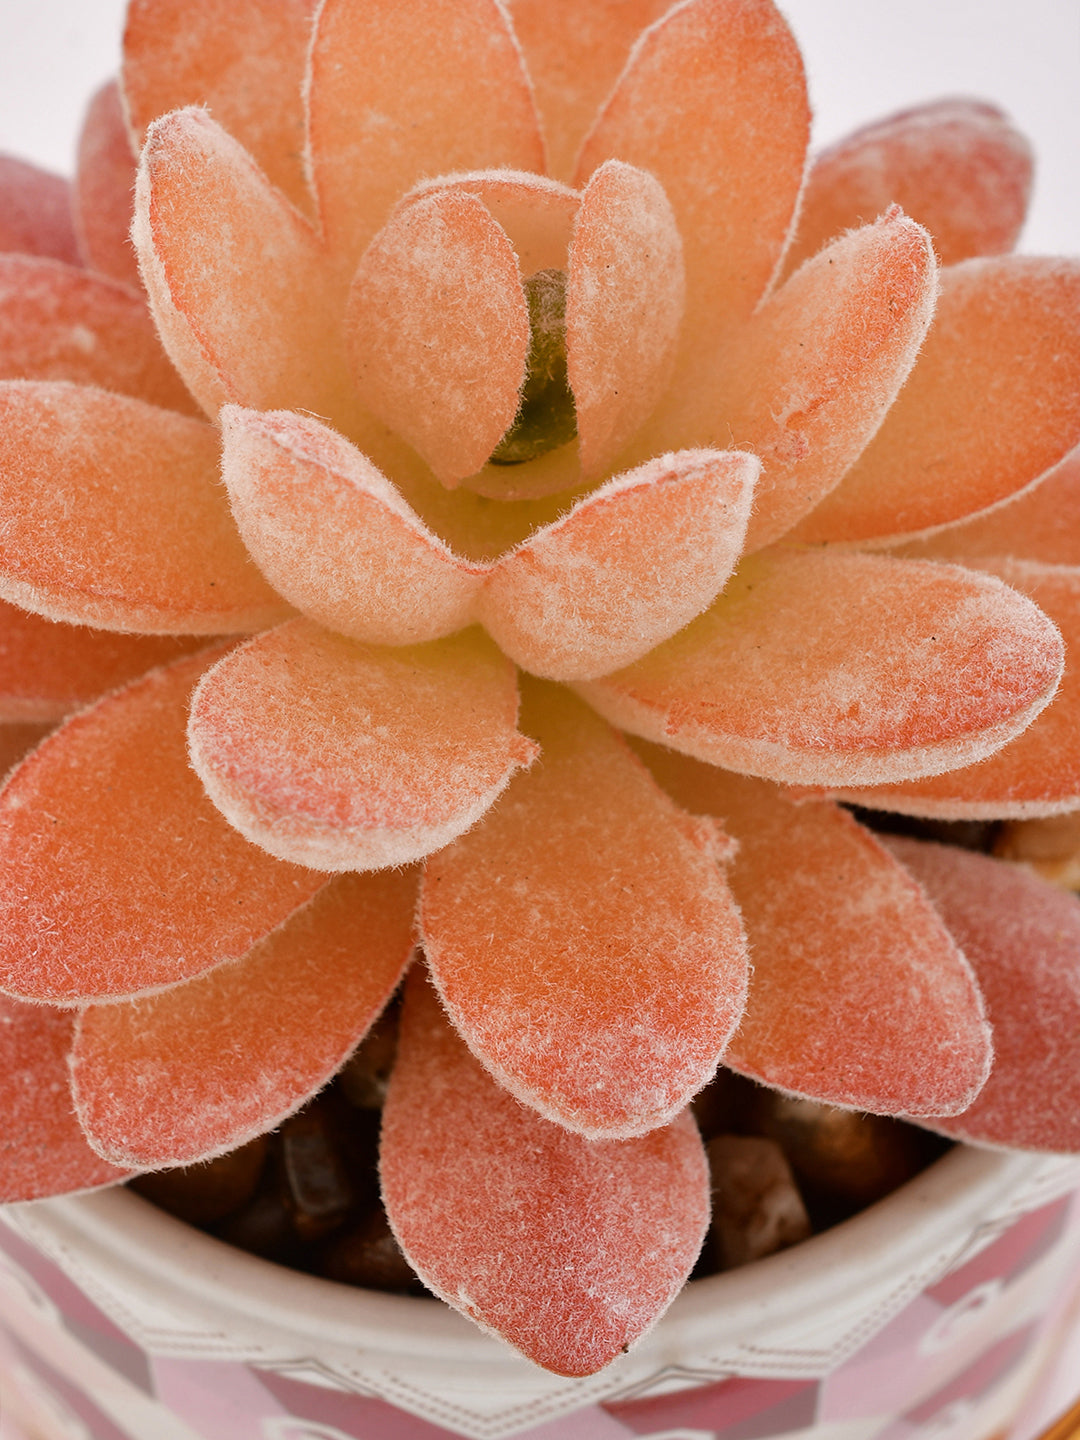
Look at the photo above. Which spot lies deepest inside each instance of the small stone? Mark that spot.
(264, 1226)
(206, 1193)
(853, 1158)
(318, 1187)
(757, 1208)
(1050, 847)
(367, 1254)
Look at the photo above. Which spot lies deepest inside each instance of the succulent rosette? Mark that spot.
(498, 383)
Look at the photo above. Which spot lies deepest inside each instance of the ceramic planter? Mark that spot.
(933, 1313)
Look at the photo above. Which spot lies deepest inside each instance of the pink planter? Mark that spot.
(935, 1313)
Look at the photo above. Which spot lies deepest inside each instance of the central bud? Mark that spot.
(546, 417)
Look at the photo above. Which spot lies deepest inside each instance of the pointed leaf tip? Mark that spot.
(346, 756)
(600, 1235)
(621, 967)
(203, 1067)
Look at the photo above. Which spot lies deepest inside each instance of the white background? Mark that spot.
(865, 58)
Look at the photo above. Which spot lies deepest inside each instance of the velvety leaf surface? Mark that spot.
(536, 212)
(716, 88)
(139, 531)
(43, 1151)
(207, 1065)
(243, 60)
(808, 381)
(353, 757)
(60, 323)
(1041, 525)
(993, 402)
(35, 212)
(1022, 938)
(819, 667)
(438, 330)
(631, 564)
(104, 193)
(238, 280)
(620, 967)
(1038, 773)
(601, 1233)
(98, 897)
(574, 54)
(334, 536)
(48, 670)
(858, 994)
(624, 306)
(957, 166)
(447, 92)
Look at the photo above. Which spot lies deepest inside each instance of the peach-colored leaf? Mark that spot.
(574, 54)
(437, 330)
(630, 565)
(858, 994)
(396, 93)
(807, 383)
(243, 60)
(104, 193)
(536, 212)
(829, 668)
(48, 670)
(1022, 938)
(333, 536)
(238, 281)
(353, 757)
(42, 1149)
(993, 402)
(601, 1234)
(1042, 525)
(118, 875)
(35, 212)
(1038, 773)
(583, 938)
(207, 1065)
(114, 516)
(60, 323)
(713, 104)
(956, 165)
(624, 306)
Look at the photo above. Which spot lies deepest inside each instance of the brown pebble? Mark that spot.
(856, 1158)
(757, 1208)
(367, 1254)
(318, 1188)
(203, 1194)
(366, 1074)
(1050, 847)
(265, 1225)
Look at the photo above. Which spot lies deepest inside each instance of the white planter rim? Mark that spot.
(798, 1314)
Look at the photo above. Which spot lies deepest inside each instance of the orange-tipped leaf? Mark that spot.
(203, 1067)
(118, 874)
(620, 969)
(602, 1234)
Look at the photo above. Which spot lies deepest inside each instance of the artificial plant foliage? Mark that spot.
(791, 505)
